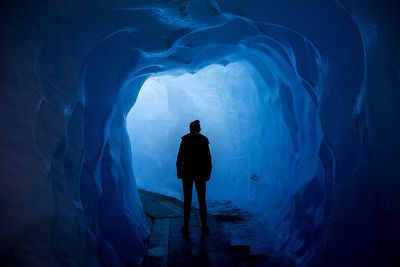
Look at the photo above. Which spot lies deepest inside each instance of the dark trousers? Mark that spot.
(187, 185)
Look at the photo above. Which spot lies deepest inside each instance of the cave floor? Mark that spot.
(169, 247)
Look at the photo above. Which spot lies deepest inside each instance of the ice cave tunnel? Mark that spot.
(298, 98)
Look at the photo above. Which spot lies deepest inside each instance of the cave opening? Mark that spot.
(230, 107)
(278, 164)
(260, 162)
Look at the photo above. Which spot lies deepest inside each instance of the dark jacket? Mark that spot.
(194, 157)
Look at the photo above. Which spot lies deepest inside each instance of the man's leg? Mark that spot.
(187, 185)
(201, 196)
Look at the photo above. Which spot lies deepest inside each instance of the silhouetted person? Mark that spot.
(193, 165)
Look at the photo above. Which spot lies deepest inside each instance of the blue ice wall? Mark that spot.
(71, 71)
(257, 132)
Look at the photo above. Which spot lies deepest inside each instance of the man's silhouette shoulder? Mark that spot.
(199, 136)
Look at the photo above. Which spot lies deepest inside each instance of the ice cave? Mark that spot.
(298, 99)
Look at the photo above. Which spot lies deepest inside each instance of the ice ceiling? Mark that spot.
(283, 102)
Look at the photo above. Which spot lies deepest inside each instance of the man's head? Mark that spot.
(195, 126)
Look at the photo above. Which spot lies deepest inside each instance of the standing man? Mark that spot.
(193, 165)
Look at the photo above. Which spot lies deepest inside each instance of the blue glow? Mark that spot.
(303, 132)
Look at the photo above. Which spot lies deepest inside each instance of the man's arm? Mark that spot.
(179, 161)
(208, 163)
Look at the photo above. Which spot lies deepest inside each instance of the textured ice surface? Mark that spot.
(71, 72)
(255, 129)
